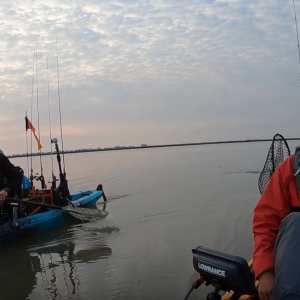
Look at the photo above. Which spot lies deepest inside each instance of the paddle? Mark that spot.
(78, 212)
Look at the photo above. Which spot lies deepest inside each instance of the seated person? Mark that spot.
(276, 228)
(10, 179)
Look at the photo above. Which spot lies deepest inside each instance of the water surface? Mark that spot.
(162, 203)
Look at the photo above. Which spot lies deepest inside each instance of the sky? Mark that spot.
(147, 71)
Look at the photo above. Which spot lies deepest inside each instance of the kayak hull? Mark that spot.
(51, 217)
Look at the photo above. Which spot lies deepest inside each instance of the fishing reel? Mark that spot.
(39, 177)
(225, 272)
(32, 177)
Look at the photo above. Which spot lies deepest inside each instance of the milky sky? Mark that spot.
(148, 71)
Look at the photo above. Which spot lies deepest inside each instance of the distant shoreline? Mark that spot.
(149, 146)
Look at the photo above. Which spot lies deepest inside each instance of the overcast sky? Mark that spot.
(149, 71)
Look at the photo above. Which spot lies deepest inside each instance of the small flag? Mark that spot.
(30, 126)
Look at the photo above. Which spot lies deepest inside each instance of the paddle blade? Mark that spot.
(86, 214)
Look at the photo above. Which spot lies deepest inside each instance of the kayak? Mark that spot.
(36, 210)
(87, 198)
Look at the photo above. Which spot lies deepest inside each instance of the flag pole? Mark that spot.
(28, 125)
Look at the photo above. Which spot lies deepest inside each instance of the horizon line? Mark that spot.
(143, 146)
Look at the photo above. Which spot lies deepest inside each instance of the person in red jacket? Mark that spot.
(276, 229)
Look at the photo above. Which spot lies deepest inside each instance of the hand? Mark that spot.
(3, 194)
(265, 285)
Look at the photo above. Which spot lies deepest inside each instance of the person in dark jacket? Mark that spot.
(276, 228)
(10, 178)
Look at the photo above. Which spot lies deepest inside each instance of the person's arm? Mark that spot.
(14, 177)
(271, 209)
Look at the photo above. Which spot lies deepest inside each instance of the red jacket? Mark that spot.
(276, 202)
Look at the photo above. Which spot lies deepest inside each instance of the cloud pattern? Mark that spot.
(149, 71)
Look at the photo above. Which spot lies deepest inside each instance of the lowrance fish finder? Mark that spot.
(225, 272)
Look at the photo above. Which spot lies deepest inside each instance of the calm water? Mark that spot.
(162, 203)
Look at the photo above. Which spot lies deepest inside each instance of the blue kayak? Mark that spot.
(42, 209)
(41, 220)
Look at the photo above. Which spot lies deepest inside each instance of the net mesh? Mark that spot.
(86, 214)
(278, 152)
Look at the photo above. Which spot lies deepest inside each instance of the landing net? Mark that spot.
(278, 152)
(86, 214)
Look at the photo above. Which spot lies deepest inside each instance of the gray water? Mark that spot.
(162, 203)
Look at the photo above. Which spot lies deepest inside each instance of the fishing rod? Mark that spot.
(63, 189)
(59, 108)
(31, 177)
(41, 177)
(50, 131)
(29, 125)
(62, 172)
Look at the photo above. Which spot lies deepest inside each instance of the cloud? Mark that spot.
(149, 71)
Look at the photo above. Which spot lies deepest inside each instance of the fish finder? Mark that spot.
(225, 272)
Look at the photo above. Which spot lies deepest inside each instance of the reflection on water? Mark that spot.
(17, 276)
(50, 265)
(59, 271)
